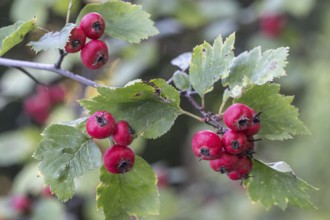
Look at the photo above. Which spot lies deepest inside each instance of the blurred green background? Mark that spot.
(188, 188)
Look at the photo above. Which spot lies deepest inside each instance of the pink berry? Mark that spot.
(123, 133)
(238, 117)
(234, 142)
(234, 175)
(21, 203)
(242, 170)
(95, 54)
(76, 41)
(255, 125)
(100, 125)
(93, 25)
(271, 25)
(207, 145)
(225, 163)
(56, 93)
(119, 159)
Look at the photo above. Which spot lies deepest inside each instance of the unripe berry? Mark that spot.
(123, 133)
(119, 159)
(238, 117)
(207, 145)
(100, 125)
(76, 41)
(94, 54)
(234, 142)
(93, 25)
(225, 163)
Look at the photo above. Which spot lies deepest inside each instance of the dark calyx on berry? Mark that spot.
(101, 120)
(124, 166)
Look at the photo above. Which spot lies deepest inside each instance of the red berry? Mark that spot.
(244, 166)
(255, 125)
(46, 192)
(271, 25)
(238, 117)
(225, 163)
(21, 203)
(207, 145)
(56, 93)
(38, 106)
(123, 133)
(234, 142)
(76, 41)
(100, 125)
(94, 54)
(119, 159)
(234, 175)
(93, 24)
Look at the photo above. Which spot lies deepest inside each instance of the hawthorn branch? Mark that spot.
(209, 117)
(48, 67)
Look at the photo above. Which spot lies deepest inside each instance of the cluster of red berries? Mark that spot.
(119, 158)
(231, 153)
(39, 105)
(94, 53)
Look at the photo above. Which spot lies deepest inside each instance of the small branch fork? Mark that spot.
(209, 118)
(56, 68)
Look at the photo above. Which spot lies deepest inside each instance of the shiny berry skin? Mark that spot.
(244, 166)
(100, 125)
(234, 142)
(76, 41)
(242, 170)
(234, 175)
(255, 125)
(238, 117)
(206, 145)
(225, 163)
(93, 25)
(94, 54)
(119, 159)
(123, 133)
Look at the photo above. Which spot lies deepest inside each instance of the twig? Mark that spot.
(68, 12)
(48, 67)
(30, 75)
(209, 117)
(60, 59)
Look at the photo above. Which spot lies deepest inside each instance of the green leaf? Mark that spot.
(14, 34)
(149, 107)
(279, 119)
(123, 20)
(53, 40)
(211, 63)
(131, 194)
(257, 67)
(65, 153)
(181, 81)
(273, 187)
(49, 209)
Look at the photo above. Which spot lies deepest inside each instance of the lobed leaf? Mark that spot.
(64, 154)
(274, 187)
(13, 34)
(279, 119)
(257, 67)
(131, 194)
(124, 20)
(211, 63)
(149, 107)
(53, 40)
(181, 80)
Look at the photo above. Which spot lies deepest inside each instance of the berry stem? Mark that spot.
(60, 59)
(48, 67)
(68, 12)
(208, 117)
(192, 115)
